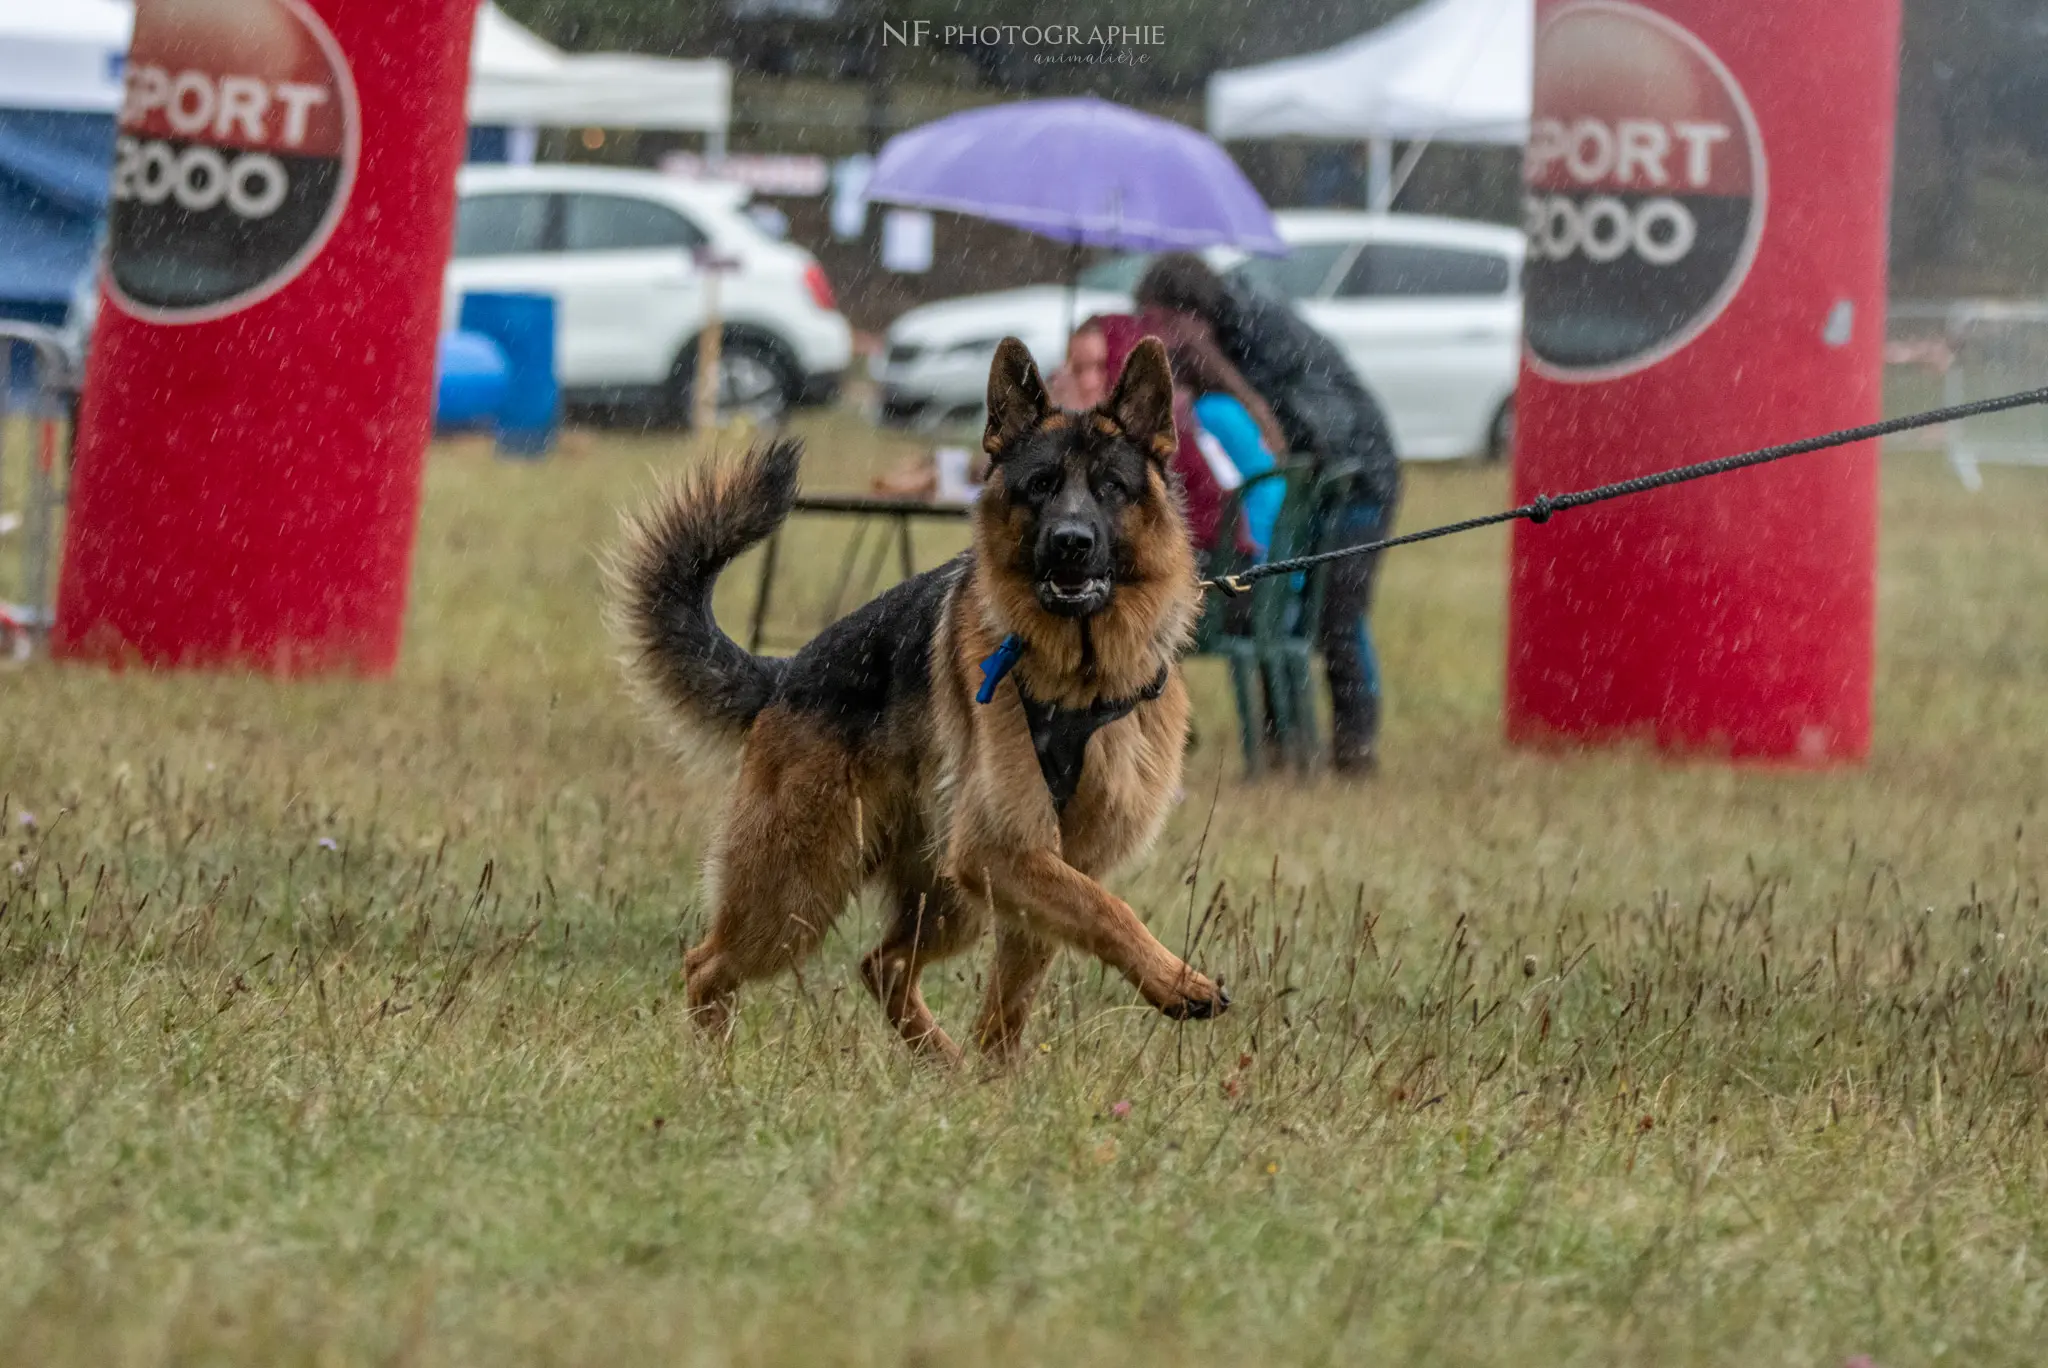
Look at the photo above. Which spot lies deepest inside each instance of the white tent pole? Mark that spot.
(1379, 174)
(1401, 174)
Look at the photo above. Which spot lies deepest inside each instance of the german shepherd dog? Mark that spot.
(865, 757)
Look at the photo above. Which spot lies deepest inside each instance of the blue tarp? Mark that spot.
(53, 189)
(488, 143)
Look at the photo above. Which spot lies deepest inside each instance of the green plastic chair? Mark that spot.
(1248, 632)
(1270, 641)
(1225, 557)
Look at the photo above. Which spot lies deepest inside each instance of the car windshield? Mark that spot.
(1301, 274)
(1116, 275)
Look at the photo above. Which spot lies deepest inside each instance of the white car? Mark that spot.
(1427, 310)
(624, 254)
(935, 366)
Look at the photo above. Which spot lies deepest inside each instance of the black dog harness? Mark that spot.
(1060, 735)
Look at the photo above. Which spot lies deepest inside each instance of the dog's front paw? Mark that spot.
(1194, 998)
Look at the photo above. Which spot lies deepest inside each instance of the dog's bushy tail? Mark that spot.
(662, 574)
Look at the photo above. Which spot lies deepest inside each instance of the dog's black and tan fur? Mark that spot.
(865, 757)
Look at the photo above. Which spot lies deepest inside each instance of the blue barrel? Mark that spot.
(471, 381)
(523, 326)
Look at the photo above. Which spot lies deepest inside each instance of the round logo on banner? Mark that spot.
(238, 141)
(1645, 196)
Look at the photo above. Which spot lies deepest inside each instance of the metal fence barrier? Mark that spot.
(1979, 348)
(44, 414)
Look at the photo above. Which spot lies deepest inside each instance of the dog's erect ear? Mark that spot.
(1016, 397)
(1143, 403)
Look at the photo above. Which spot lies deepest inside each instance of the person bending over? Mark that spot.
(1323, 413)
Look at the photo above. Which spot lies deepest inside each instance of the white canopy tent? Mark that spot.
(1448, 70)
(63, 55)
(515, 78)
(67, 55)
(501, 47)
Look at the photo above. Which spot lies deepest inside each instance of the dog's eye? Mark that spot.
(1042, 484)
(1113, 487)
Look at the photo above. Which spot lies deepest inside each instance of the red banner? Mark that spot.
(1706, 203)
(259, 393)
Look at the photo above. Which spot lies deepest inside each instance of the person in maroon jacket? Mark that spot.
(1095, 357)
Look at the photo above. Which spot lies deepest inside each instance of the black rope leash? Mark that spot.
(1544, 505)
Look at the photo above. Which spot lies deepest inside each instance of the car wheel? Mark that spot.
(755, 382)
(1500, 433)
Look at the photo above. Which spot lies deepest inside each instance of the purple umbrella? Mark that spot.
(1083, 171)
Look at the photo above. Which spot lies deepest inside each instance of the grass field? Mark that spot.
(338, 1020)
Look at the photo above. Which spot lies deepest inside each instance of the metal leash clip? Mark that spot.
(1230, 586)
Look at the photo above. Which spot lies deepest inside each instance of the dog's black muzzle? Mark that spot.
(1073, 568)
